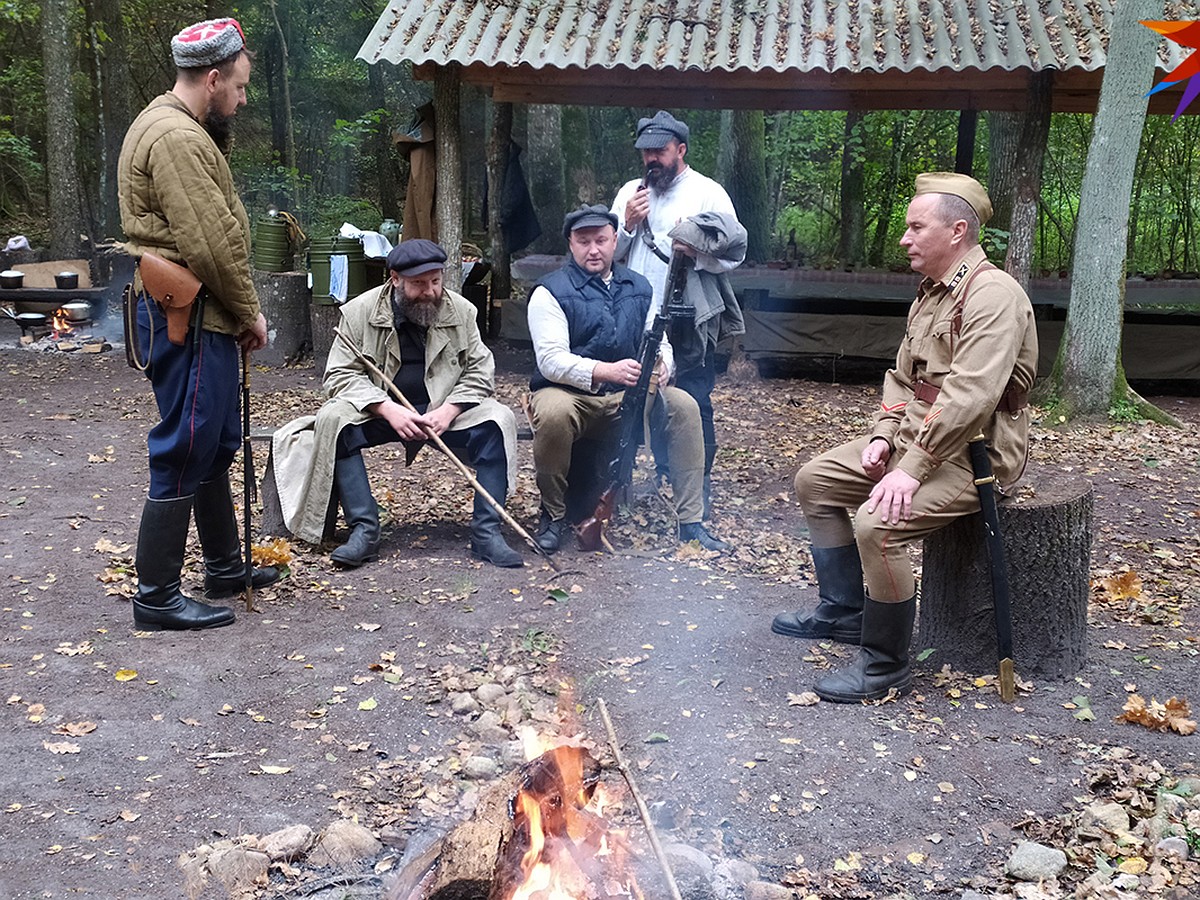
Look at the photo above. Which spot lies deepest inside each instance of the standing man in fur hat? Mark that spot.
(178, 200)
(965, 366)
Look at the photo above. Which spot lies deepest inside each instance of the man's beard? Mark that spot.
(219, 128)
(659, 178)
(422, 313)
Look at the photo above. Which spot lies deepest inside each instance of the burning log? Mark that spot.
(539, 834)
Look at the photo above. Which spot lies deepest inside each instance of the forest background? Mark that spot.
(316, 139)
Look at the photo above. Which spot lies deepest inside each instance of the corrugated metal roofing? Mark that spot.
(751, 35)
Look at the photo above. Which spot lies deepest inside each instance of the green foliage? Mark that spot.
(327, 214)
(351, 133)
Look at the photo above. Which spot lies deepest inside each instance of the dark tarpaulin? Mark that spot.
(518, 220)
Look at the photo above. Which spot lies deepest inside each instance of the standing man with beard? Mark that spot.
(670, 192)
(178, 200)
(426, 341)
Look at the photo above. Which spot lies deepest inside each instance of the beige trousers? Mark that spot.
(834, 483)
(561, 417)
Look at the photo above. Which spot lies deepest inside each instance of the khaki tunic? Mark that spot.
(996, 344)
(178, 199)
(459, 368)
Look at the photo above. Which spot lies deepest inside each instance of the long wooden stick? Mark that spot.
(641, 804)
(247, 478)
(441, 445)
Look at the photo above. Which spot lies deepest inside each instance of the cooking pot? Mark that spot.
(30, 320)
(78, 311)
(11, 278)
(67, 280)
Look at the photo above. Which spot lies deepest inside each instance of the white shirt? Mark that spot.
(690, 193)
(552, 344)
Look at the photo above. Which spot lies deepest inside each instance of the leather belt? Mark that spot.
(1013, 400)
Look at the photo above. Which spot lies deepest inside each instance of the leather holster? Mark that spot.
(174, 288)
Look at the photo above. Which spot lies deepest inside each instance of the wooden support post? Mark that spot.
(447, 90)
(964, 153)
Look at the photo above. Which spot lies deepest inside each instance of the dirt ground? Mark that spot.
(125, 750)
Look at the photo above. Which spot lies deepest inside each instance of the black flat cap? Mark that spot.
(588, 217)
(416, 257)
(657, 132)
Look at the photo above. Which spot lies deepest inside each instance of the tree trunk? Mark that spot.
(66, 217)
(497, 164)
(742, 169)
(964, 150)
(1031, 149)
(1090, 369)
(106, 27)
(447, 90)
(289, 126)
(385, 160)
(850, 243)
(1004, 134)
(887, 192)
(1048, 541)
(545, 171)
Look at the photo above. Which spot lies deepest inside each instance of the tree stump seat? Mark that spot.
(284, 298)
(1047, 528)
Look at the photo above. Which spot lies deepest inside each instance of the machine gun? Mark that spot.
(619, 474)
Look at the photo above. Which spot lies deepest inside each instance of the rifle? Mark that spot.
(633, 408)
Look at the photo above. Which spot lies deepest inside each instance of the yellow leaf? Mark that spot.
(916, 858)
(1135, 865)
(75, 729)
(1122, 586)
(275, 770)
(369, 703)
(125, 674)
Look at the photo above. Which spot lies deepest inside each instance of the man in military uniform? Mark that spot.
(965, 366)
(178, 200)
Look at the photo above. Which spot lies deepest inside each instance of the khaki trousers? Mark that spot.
(561, 417)
(834, 483)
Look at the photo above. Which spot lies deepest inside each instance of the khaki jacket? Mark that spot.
(459, 368)
(178, 199)
(972, 365)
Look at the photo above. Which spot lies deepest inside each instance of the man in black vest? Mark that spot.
(586, 321)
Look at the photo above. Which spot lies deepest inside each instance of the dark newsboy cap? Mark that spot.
(416, 257)
(657, 132)
(588, 217)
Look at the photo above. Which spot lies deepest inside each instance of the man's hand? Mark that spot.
(685, 249)
(409, 425)
(254, 337)
(442, 417)
(637, 209)
(893, 496)
(624, 373)
(874, 458)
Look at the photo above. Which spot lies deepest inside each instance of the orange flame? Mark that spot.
(60, 323)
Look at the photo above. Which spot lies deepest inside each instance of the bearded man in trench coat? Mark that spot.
(426, 341)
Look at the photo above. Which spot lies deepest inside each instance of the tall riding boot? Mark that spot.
(159, 604)
(710, 454)
(487, 543)
(224, 564)
(838, 617)
(882, 664)
(362, 513)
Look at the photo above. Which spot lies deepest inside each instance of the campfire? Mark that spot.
(65, 329)
(541, 833)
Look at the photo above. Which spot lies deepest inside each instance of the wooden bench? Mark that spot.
(1047, 530)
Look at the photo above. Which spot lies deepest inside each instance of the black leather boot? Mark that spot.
(224, 564)
(695, 531)
(838, 617)
(550, 532)
(487, 543)
(159, 604)
(362, 513)
(882, 664)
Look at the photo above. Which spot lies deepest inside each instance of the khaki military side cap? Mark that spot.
(963, 186)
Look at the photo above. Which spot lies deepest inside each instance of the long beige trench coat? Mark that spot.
(459, 368)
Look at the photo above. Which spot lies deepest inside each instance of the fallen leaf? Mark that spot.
(1169, 716)
(806, 698)
(656, 737)
(61, 747)
(76, 729)
(368, 704)
(275, 770)
(125, 674)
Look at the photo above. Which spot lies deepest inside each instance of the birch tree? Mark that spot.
(62, 136)
(1088, 377)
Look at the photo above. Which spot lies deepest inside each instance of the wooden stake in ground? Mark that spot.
(441, 445)
(641, 804)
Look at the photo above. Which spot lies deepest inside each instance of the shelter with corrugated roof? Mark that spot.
(762, 54)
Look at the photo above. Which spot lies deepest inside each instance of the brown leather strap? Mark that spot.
(1013, 400)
